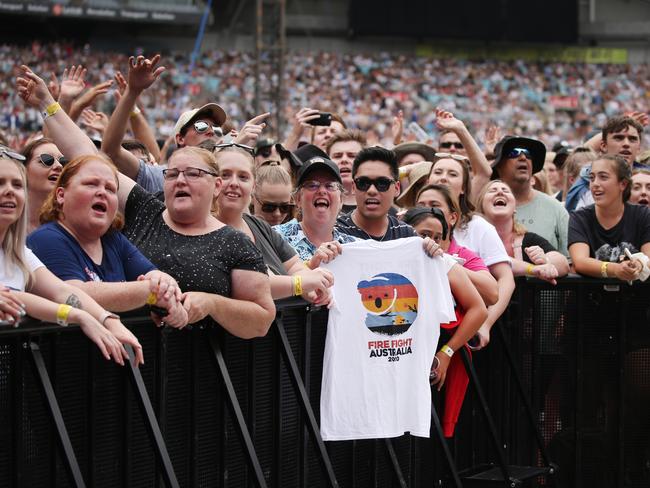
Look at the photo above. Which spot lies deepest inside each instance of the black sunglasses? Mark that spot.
(447, 145)
(382, 183)
(224, 145)
(270, 207)
(48, 160)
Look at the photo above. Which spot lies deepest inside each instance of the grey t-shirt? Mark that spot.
(547, 217)
(150, 177)
(275, 250)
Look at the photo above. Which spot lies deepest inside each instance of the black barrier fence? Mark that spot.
(208, 409)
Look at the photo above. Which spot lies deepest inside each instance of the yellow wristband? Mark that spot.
(447, 350)
(603, 269)
(51, 109)
(135, 111)
(297, 285)
(152, 299)
(307, 261)
(62, 314)
(529, 269)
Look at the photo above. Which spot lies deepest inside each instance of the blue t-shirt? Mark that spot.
(62, 255)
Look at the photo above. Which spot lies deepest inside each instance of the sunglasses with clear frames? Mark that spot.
(457, 157)
(246, 148)
(189, 173)
(515, 152)
(448, 145)
(48, 160)
(6, 152)
(382, 183)
(200, 126)
(330, 186)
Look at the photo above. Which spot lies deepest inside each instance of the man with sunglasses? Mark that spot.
(516, 160)
(375, 185)
(192, 128)
(449, 142)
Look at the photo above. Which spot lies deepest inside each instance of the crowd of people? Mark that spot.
(368, 90)
(222, 220)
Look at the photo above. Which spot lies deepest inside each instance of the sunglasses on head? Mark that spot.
(224, 145)
(270, 207)
(515, 152)
(48, 160)
(200, 126)
(382, 183)
(6, 152)
(435, 212)
(448, 145)
(457, 157)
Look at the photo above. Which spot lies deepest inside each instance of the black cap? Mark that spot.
(262, 143)
(315, 164)
(536, 148)
(308, 151)
(294, 161)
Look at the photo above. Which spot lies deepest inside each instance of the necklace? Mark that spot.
(363, 230)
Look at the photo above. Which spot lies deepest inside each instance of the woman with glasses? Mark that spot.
(531, 254)
(272, 200)
(222, 273)
(236, 170)
(29, 288)
(44, 163)
(319, 200)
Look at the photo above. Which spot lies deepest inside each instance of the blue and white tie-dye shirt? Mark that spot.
(292, 233)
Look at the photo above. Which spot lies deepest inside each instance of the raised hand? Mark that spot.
(121, 82)
(303, 117)
(641, 117)
(143, 72)
(446, 121)
(72, 83)
(90, 95)
(252, 130)
(492, 136)
(397, 128)
(33, 90)
(98, 121)
(54, 85)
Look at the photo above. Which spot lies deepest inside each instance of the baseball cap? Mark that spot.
(212, 110)
(317, 163)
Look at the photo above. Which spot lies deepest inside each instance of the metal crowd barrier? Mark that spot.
(211, 410)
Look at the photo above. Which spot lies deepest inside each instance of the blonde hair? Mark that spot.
(273, 174)
(13, 244)
(517, 228)
(236, 150)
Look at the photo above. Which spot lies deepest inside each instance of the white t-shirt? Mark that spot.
(389, 299)
(14, 278)
(481, 237)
